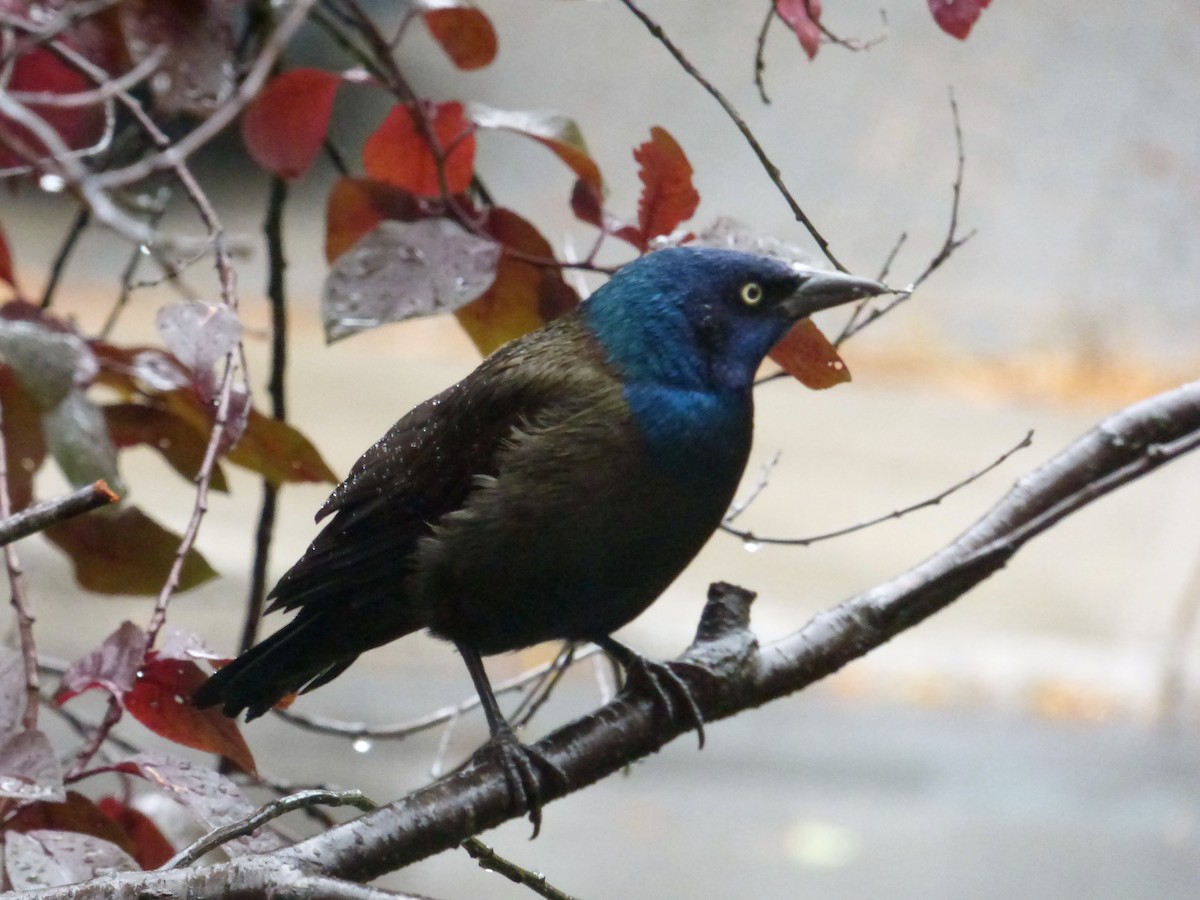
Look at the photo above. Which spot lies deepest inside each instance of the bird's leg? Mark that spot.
(519, 761)
(660, 680)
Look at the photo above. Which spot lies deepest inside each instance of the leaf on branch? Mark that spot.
(24, 442)
(161, 700)
(76, 814)
(401, 270)
(808, 356)
(42, 858)
(284, 127)
(463, 31)
(211, 797)
(398, 152)
(199, 334)
(40, 71)
(279, 453)
(356, 205)
(124, 551)
(957, 17)
(149, 848)
(49, 358)
(77, 436)
(12, 689)
(196, 75)
(111, 667)
(29, 768)
(587, 203)
(555, 131)
(668, 196)
(524, 295)
(175, 438)
(802, 17)
(6, 265)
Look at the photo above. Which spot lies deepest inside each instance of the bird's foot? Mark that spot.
(662, 682)
(520, 763)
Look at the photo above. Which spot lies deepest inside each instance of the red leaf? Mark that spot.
(802, 16)
(357, 205)
(124, 551)
(284, 127)
(806, 355)
(524, 296)
(398, 153)
(181, 445)
(278, 452)
(161, 700)
(42, 858)
(957, 17)
(6, 266)
(78, 814)
(668, 196)
(145, 842)
(557, 132)
(464, 32)
(587, 204)
(41, 71)
(112, 666)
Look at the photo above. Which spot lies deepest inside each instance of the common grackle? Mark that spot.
(552, 494)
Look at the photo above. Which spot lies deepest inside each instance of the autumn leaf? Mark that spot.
(524, 295)
(278, 452)
(356, 205)
(6, 266)
(147, 844)
(113, 666)
(284, 127)
(40, 71)
(398, 152)
(668, 196)
(463, 31)
(957, 17)
(559, 133)
(802, 16)
(76, 813)
(806, 355)
(177, 440)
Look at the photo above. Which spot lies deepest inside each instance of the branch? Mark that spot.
(492, 861)
(20, 602)
(771, 169)
(42, 515)
(728, 672)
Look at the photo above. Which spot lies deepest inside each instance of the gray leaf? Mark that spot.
(401, 270)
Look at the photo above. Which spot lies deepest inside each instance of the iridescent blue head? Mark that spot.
(703, 318)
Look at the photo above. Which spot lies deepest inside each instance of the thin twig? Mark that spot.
(261, 816)
(760, 50)
(492, 861)
(83, 216)
(764, 476)
(750, 537)
(50, 512)
(771, 169)
(20, 603)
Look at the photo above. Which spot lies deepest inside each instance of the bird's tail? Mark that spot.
(302, 655)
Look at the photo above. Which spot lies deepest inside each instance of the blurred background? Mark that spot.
(1038, 738)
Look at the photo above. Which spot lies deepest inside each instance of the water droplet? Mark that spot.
(51, 183)
(752, 546)
(144, 249)
(362, 745)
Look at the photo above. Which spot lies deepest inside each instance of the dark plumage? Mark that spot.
(554, 492)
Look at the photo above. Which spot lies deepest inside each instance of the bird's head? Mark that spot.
(704, 317)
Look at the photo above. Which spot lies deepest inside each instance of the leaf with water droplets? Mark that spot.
(29, 770)
(43, 858)
(401, 270)
(199, 334)
(730, 234)
(111, 667)
(12, 688)
(806, 354)
(210, 796)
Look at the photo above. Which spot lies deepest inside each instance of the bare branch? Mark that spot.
(492, 861)
(50, 512)
(20, 602)
(749, 537)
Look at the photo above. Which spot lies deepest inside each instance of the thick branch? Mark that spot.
(730, 672)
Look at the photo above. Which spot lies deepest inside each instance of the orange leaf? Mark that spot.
(278, 452)
(284, 127)
(668, 196)
(161, 700)
(806, 355)
(356, 205)
(524, 295)
(398, 152)
(465, 33)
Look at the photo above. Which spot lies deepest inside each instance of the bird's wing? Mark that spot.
(427, 464)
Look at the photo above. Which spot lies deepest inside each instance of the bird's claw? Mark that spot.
(661, 680)
(520, 763)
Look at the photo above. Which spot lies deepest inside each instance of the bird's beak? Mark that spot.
(821, 290)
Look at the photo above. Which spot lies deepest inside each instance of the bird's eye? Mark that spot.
(752, 292)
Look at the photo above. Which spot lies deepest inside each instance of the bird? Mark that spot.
(551, 495)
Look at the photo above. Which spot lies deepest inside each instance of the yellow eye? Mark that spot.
(752, 292)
